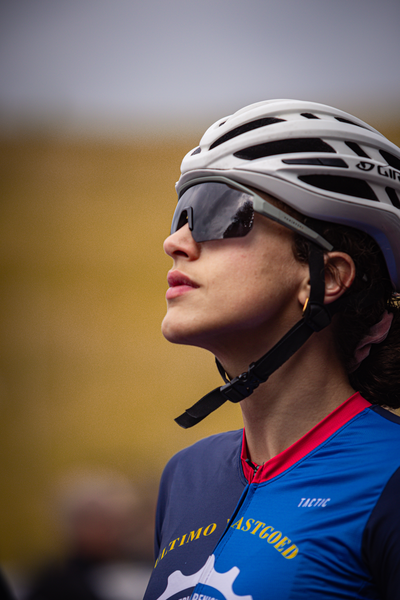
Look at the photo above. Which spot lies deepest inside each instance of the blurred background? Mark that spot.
(99, 101)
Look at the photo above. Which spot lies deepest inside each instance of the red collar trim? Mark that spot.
(316, 436)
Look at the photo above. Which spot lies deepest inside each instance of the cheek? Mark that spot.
(246, 290)
(267, 287)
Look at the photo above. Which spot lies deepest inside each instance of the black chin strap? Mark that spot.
(316, 317)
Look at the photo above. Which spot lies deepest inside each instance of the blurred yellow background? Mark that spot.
(87, 380)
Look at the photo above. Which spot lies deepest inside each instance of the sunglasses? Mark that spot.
(217, 208)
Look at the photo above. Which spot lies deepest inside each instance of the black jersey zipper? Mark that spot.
(252, 466)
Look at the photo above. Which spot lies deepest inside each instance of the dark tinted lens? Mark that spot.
(218, 211)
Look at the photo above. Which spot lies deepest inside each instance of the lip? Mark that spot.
(179, 284)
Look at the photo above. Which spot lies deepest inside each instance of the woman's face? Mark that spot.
(237, 293)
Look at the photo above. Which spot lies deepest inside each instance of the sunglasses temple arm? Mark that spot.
(279, 216)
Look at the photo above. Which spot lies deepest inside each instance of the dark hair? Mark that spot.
(378, 376)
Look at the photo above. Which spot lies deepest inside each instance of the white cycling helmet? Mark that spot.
(321, 161)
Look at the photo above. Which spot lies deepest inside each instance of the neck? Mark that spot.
(295, 398)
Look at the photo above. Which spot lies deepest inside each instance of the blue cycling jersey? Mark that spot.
(318, 521)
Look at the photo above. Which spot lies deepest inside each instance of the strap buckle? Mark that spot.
(242, 386)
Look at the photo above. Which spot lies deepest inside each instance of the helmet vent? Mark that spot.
(391, 160)
(309, 116)
(244, 129)
(357, 149)
(350, 186)
(393, 197)
(284, 147)
(342, 120)
(326, 162)
(196, 151)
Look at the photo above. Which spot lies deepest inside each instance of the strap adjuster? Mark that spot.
(242, 386)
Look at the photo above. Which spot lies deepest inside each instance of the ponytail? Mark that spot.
(378, 376)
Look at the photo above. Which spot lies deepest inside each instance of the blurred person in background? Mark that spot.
(105, 526)
(286, 266)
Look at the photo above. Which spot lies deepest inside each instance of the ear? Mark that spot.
(340, 272)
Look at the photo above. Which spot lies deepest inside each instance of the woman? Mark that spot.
(286, 263)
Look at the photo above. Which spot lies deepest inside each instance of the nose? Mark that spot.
(181, 243)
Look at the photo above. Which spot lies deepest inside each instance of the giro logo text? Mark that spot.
(385, 171)
(388, 172)
(365, 166)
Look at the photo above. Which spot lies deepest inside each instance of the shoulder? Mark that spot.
(222, 447)
(215, 458)
(381, 539)
(223, 441)
(381, 424)
(206, 476)
(383, 427)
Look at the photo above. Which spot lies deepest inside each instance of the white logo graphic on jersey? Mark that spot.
(221, 582)
(314, 502)
(178, 582)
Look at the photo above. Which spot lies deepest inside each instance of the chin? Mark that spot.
(179, 331)
(174, 332)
